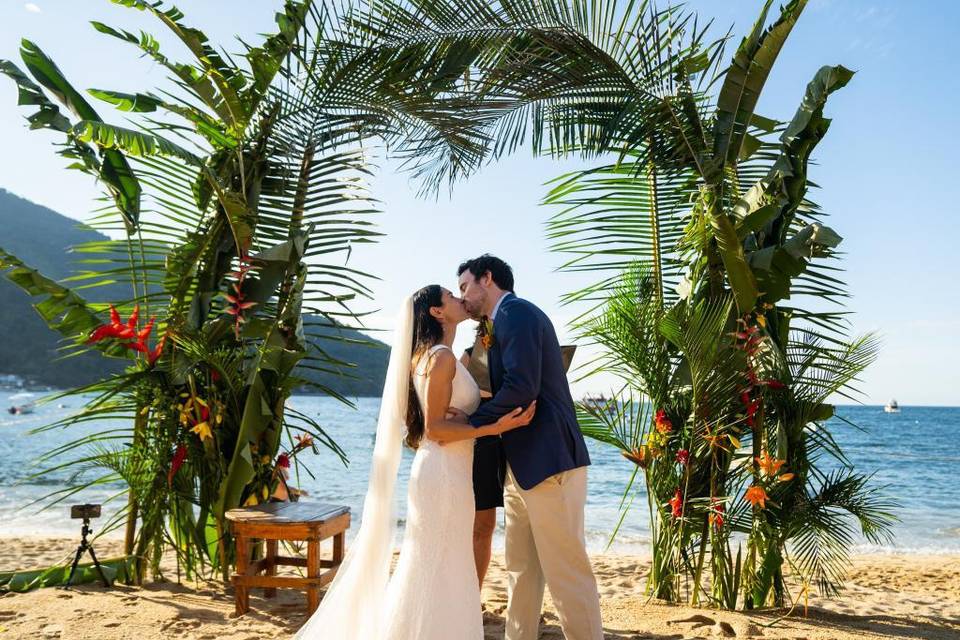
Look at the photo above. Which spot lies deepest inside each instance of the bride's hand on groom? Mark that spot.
(517, 418)
(456, 415)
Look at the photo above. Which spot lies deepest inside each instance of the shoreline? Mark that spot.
(887, 596)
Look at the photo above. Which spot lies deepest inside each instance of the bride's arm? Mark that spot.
(440, 373)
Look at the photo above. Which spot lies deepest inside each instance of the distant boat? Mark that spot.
(601, 402)
(892, 407)
(21, 403)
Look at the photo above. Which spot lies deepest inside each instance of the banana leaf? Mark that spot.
(121, 568)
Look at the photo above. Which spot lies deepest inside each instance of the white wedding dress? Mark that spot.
(433, 593)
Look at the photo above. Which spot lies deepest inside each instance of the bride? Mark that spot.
(433, 593)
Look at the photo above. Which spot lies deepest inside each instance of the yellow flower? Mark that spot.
(203, 430)
(251, 501)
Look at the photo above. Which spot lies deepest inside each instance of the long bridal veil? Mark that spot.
(354, 602)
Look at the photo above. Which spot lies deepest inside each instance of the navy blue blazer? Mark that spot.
(525, 365)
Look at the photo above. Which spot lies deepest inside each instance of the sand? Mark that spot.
(888, 596)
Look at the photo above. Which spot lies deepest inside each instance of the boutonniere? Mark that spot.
(485, 332)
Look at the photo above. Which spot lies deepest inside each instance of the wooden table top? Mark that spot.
(280, 513)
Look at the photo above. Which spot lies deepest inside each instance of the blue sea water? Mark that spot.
(912, 454)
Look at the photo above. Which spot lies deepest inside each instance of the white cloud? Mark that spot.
(31, 7)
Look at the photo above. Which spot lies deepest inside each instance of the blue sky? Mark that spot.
(886, 168)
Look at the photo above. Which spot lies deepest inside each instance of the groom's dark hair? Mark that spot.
(499, 270)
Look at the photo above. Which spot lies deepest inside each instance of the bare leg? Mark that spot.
(484, 524)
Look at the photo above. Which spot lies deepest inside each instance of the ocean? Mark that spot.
(910, 454)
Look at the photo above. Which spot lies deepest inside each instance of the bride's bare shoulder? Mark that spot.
(439, 362)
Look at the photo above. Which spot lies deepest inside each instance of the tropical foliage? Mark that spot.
(718, 295)
(239, 195)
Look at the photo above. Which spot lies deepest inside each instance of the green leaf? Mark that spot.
(135, 102)
(133, 143)
(62, 309)
(114, 569)
(742, 280)
(114, 169)
(746, 77)
(49, 115)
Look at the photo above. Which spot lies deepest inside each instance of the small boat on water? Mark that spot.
(21, 403)
(892, 407)
(601, 402)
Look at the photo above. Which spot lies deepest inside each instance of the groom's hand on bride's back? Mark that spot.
(517, 418)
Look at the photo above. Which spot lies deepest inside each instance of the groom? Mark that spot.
(546, 483)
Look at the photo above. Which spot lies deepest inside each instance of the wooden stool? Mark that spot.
(278, 521)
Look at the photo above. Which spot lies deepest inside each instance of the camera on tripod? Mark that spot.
(86, 512)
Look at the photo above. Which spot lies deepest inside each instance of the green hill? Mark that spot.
(42, 239)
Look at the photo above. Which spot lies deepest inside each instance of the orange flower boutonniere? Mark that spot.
(485, 332)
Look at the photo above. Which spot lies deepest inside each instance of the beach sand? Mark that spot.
(888, 596)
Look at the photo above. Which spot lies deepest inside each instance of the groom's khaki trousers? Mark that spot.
(545, 545)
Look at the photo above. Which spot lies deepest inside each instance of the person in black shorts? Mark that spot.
(489, 473)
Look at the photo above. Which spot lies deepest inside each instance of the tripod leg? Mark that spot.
(96, 563)
(73, 568)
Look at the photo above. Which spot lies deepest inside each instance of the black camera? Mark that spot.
(85, 511)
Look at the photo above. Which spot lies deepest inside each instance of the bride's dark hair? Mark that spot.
(427, 332)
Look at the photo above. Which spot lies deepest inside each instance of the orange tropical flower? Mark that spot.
(485, 332)
(640, 456)
(769, 465)
(676, 504)
(662, 422)
(717, 440)
(756, 496)
(304, 441)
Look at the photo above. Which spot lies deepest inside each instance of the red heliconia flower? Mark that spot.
(716, 514)
(676, 504)
(116, 328)
(237, 302)
(745, 397)
(776, 385)
(179, 456)
(142, 337)
(154, 355)
(214, 375)
(683, 457)
(283, 461)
